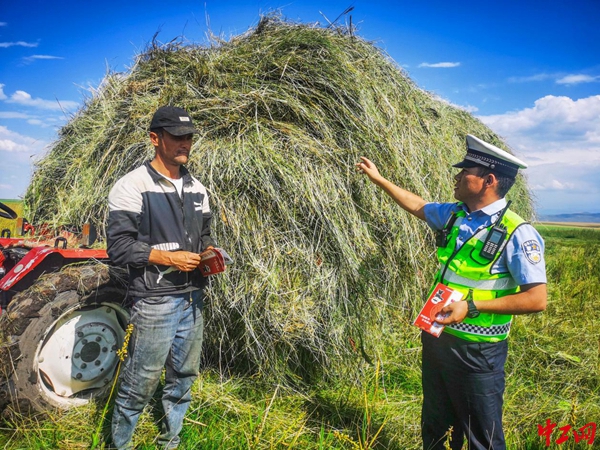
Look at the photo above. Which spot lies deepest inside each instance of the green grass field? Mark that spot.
(570, 233)
(553, 373)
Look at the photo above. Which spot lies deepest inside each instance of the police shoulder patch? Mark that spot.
(532, 250)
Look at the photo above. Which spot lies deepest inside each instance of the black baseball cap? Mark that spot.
(175, 121)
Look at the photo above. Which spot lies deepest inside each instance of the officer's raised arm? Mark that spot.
(410, 202)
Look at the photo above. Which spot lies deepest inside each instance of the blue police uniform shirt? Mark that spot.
(523, 255)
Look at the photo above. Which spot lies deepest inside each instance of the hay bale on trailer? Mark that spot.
(326, 266)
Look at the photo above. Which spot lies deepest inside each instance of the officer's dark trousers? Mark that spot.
(463, 385)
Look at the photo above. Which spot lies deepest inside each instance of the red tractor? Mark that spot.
(63, 318)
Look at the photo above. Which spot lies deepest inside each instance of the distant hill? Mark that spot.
(573, 217)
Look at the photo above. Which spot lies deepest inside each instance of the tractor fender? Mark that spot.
(49, 259)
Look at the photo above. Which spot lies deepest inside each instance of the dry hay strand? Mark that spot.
(325, 264)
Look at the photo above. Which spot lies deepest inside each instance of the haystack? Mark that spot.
(326, 266)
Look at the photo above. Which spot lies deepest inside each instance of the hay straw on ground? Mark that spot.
(325, 263)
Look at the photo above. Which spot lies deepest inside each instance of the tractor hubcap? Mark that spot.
(78, 354)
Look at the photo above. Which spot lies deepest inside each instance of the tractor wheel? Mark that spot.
(61, 339)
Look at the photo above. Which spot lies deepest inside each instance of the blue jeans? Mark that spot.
(167, 334)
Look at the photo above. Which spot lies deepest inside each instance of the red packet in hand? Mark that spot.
(214, 260)
(440, 297)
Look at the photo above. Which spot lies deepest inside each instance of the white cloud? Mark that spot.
(537, 77)
(32, 119)
(13, 115)
(442, 65)
(17, 153)
(558, 78)
(552, 119)
(3, 24)
(30, 59)
(576, 79)
(24, 98)
(11, 146)
(470, 108)
(560, 140)
(18, 44)
(44, 57)
(554, 185)
(13, 142)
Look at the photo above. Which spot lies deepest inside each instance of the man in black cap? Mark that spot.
(159, 223)
(496, 261)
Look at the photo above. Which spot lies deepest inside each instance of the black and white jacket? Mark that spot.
(146, 212)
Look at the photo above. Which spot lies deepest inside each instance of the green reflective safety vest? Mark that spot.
(466, 271)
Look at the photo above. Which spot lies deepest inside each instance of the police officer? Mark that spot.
(496, 260)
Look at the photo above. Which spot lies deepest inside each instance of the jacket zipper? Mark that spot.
(182, 206)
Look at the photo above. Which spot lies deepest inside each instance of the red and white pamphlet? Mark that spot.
(440, 297)
(214, 260)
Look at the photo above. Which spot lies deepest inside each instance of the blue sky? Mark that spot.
(528, 69)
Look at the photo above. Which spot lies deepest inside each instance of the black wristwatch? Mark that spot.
(473, 311)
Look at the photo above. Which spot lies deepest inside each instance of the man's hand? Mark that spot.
(185, 261)
(456, 312)
(180, 260)
(368, 168)
(531, 299)
(210, 247)
(407, 200)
